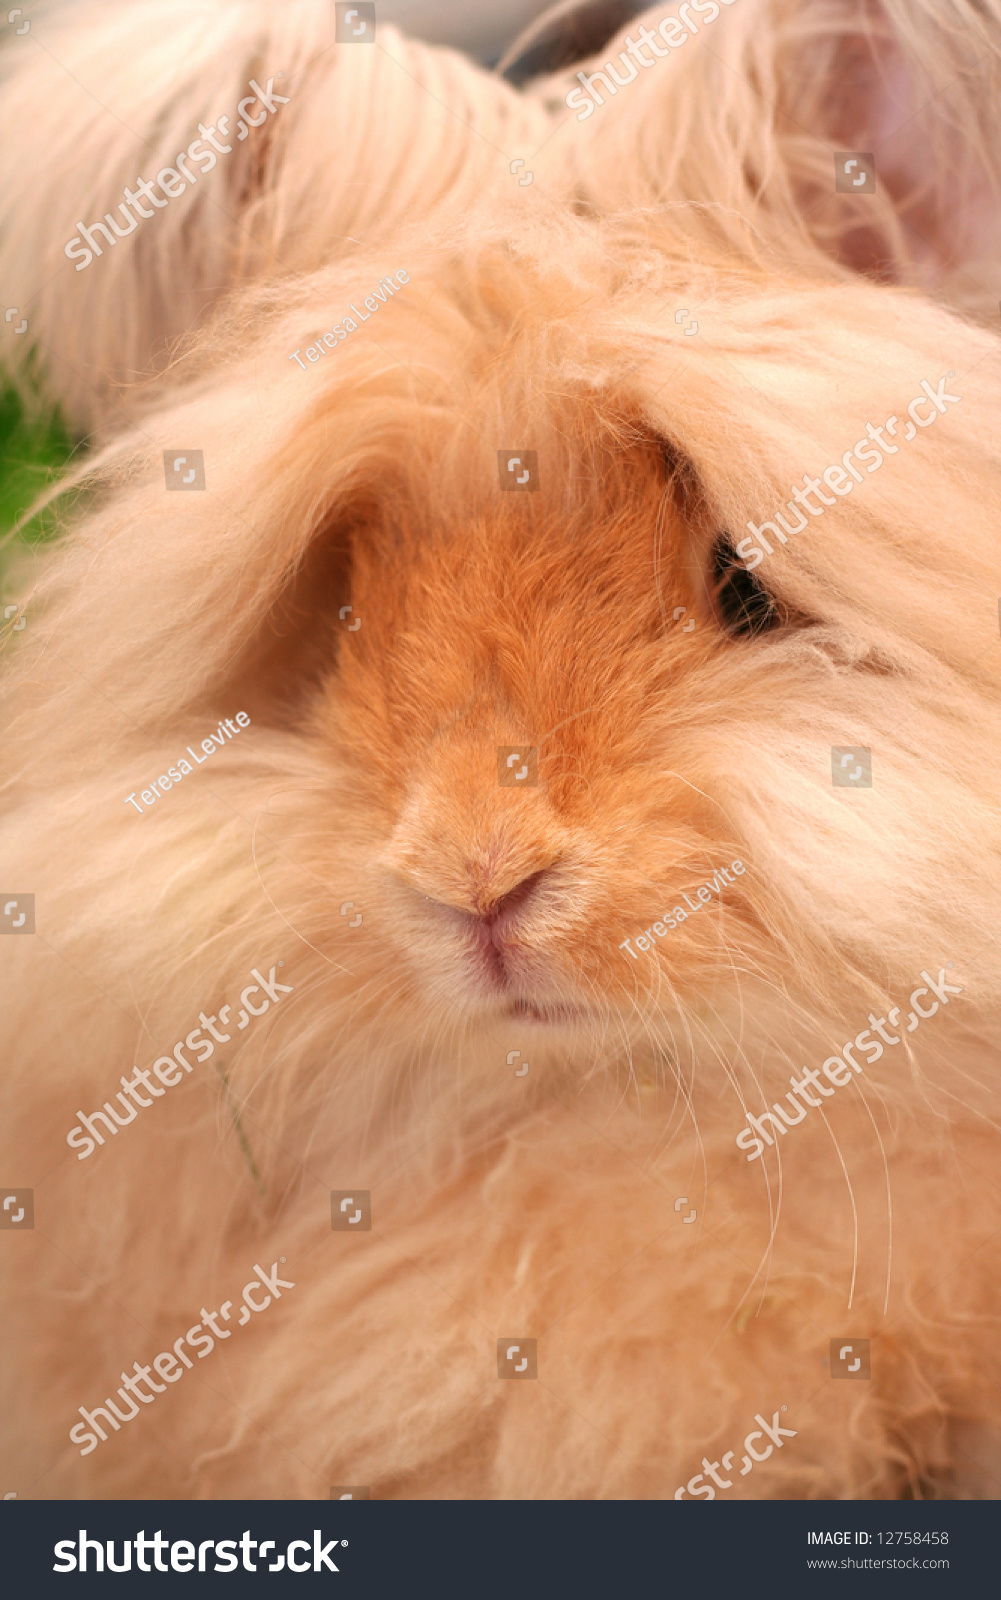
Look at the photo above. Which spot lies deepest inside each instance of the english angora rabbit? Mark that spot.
(505, 755)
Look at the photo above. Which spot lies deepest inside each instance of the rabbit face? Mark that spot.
(566, 713)
(513, 714)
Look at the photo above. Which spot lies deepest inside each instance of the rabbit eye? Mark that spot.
(744, 606)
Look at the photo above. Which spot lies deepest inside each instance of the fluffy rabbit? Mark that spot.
(485, 1038)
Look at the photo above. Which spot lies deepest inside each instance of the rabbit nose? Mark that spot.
(492, 857)
(507, 906)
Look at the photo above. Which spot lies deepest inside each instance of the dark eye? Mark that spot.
(744, 606)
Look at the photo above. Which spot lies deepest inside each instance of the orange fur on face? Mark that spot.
(539, 627)
(442, 930)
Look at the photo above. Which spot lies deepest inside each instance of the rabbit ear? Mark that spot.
(908, 109)
(752, 133)
(270, 149)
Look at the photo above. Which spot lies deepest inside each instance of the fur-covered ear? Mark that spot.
(754, 128)
(334, 148)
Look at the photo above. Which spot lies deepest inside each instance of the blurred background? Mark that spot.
(482, 30)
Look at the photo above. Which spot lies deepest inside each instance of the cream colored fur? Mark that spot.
(543, 1206)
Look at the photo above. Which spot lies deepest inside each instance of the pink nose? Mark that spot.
(500, 913)
(498, 927)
